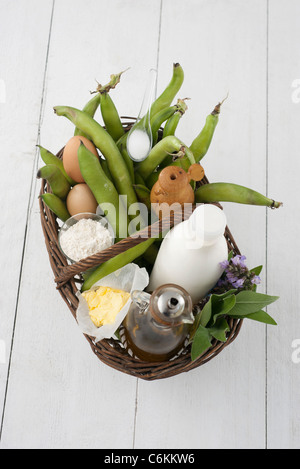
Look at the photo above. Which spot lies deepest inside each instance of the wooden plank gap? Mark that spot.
(41, 115)
(158, 40)
(135, 412)
(267, 213)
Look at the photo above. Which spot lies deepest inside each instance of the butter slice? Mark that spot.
(104, 304)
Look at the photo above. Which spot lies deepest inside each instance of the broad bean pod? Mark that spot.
(90, 108)
(110, 116)
(57, 205)
(49, 158)
(152, 179)
(227, 192)
(201, 143)
(159, 152)
(151, 253)
(106, 169)
(139, 179)
(101, 186)
(167, 96)
(159, 118)
(116, 263)
(58, 183)
(128, 161)
(172, 124)
(143, 194)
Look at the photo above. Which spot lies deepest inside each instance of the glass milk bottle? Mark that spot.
(191, 253)
(157, 325)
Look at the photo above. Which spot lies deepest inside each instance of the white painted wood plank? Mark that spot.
(222, 47)
(59, 394)
(283, 226)
(24, 30)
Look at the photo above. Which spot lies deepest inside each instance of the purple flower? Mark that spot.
(237, 275)
(256, 280)
(239, 283)
(224, 264)
(231, 277)
(239, 261)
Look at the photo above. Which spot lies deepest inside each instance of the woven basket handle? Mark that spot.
(152, 231)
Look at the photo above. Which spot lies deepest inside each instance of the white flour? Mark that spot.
(85, 238)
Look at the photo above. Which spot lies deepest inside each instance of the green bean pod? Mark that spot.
(226, 192)
(151, 254)
(201, 143)
(110, 116)
(172, 124)
(58, 183)
(127, 159)
(152, 179)
(90, 108)
(175, 160)
(158, 153)
(116, 263)
(49, 158)
(106, 170)
(57, 206)
(122, 140)
(101, 186)
(139, 179)
(143, 194)
(107, 147)
(167, 96)
(158, 119)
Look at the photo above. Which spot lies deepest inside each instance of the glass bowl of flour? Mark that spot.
(83, 235)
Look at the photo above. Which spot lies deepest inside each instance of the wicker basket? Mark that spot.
(68, 281)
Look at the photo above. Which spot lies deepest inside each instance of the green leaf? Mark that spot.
(223, 307)
(262, 316)
(219, 330)
(230, 255)
(201, 342)
(217, 305)
(206, 313)
(257, 270)
(223, 295)
(248, 302)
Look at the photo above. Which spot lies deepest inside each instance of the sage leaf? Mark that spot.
(202, 342)
(221, 296)
(219, 330)
(230, 255)
(262, 316)
(224, 307)
(257, 270)
(248, 302)
(217, 305)
(206, 313)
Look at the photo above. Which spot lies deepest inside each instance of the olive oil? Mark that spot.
(157, 325)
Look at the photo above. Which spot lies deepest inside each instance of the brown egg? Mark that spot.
(81, 199)
(70, 158)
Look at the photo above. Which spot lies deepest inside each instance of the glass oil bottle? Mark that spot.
(158, 324)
